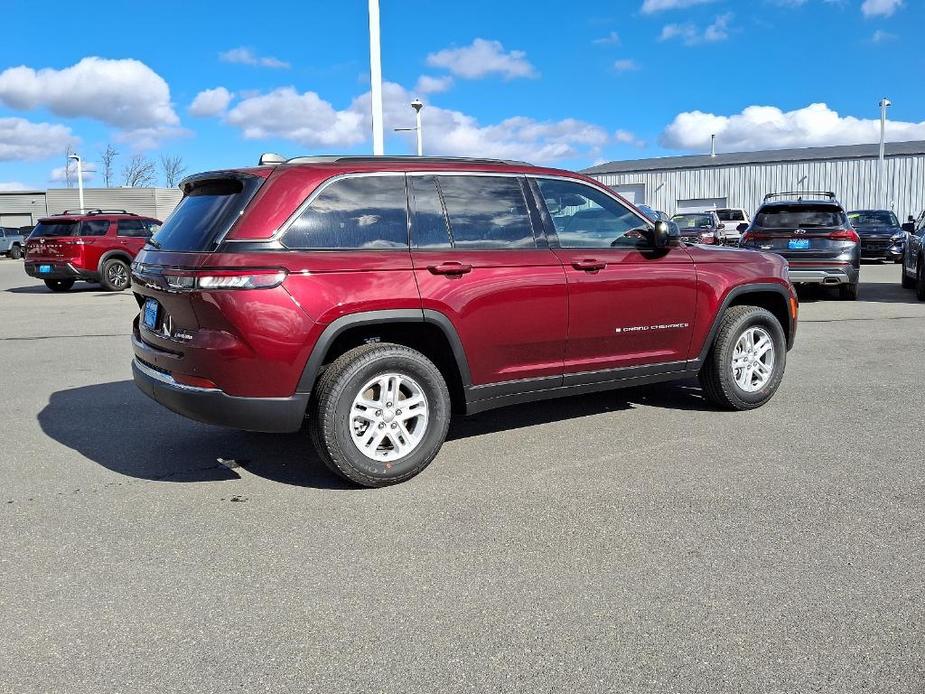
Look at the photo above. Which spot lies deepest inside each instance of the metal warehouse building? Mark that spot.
(19, 208)
(677, 184)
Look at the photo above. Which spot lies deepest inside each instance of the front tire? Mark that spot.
(848, 292)
(16, 252)
(380, 414)
(746, 363)
(59, 285)
(115, 275)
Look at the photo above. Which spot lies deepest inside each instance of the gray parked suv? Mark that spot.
(12, 242)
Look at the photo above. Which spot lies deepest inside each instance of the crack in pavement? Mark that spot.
(56, 337)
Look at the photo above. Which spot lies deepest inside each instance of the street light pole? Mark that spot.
(80, 180)
(417, 105)
(375, 77)
(881, 173)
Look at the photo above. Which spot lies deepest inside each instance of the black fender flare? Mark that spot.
(735, 293)
(389, 316)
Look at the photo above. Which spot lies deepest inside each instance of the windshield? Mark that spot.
(799, 217)
(873, 218)
(56, 228)
(692, 221)
(730, 215)
(207, 211)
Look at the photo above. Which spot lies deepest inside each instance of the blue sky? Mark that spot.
(564, 83)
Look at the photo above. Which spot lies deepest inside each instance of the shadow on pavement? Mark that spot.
(116, 426)
(79, 288)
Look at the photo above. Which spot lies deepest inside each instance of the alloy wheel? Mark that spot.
(388, 417)
(753, 359)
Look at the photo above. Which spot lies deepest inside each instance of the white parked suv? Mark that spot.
(735, 220)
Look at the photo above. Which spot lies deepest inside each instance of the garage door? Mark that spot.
(15, 220)
(700, 204)
(633, 192)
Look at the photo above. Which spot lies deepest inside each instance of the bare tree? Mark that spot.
(68, 151)
(139, 172)
(173, 168)
(106, 158)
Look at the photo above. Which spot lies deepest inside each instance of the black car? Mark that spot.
(880, 232)
(913, 261)
(699, 227)
(812, 231)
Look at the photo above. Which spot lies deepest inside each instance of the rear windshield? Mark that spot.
(876, 218)
(730, 215)
(207, 211)
(692, 221)
(799, 217)
(56, 228)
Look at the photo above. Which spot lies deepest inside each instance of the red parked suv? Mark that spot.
(376, 295)
(90, 245)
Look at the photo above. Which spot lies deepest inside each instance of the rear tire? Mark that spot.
(16, 252)
(749, 385)
(359, 424)
(904, 279)
(848, 292)
(115, 275)
(59, 285)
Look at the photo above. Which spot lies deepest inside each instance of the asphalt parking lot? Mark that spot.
(628, 541)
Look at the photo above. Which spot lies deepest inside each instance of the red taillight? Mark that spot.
(194, 381)
(262, 278)
(845, 235)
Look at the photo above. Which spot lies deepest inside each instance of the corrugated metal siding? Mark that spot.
(23, 203)
(854, 181)
(152, 202)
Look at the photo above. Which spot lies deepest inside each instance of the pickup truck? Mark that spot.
(12, 242)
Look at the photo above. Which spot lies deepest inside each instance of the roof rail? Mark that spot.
(91, 211)
(800, 194)
(398, 158)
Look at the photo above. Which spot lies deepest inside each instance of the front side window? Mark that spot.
(357, 212)
(135, 228)
(486, 212)
(585, 217)
(94, 227)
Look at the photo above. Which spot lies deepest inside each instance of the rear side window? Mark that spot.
(428, 226)
(94, 227)
(799, 217)
(137, 228)
(55, 228)
(358, 212)
(207, 211)
(486, 212)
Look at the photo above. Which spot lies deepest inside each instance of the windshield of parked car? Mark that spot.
(730, 215)
(873, 218)
(55, 228)
(692, 221)
(799, 217)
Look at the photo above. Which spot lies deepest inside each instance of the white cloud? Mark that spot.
(22, 140)
(481, 58)
(881, 36)
(652, 6)
(13, 185)
(307, 119)
(625, 65)
(880, 8)
(304, 118)
(768, 127)
(432, 85)
(628, 138)
(126, 93)
(247, 56)
(210, 102)
(691, 35)
(59, 175)
(612, 39)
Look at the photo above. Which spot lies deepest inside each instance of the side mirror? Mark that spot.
(909, 227)
(742, 228)
(660, 234)
(910, 219)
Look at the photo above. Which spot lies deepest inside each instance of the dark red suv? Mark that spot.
(373, 296)
(90, 245)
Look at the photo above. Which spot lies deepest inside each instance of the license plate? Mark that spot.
(44, 268)
(150, 314)
(798, 244)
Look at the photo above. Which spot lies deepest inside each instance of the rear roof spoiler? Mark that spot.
(800, 194)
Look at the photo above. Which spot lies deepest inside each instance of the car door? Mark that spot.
(479, 261)
(916, 242)
(629, 303)
(95, 239)
(131, 234)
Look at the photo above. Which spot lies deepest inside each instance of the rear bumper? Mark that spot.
(845, 274)
(59, 271)
(213, 406)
